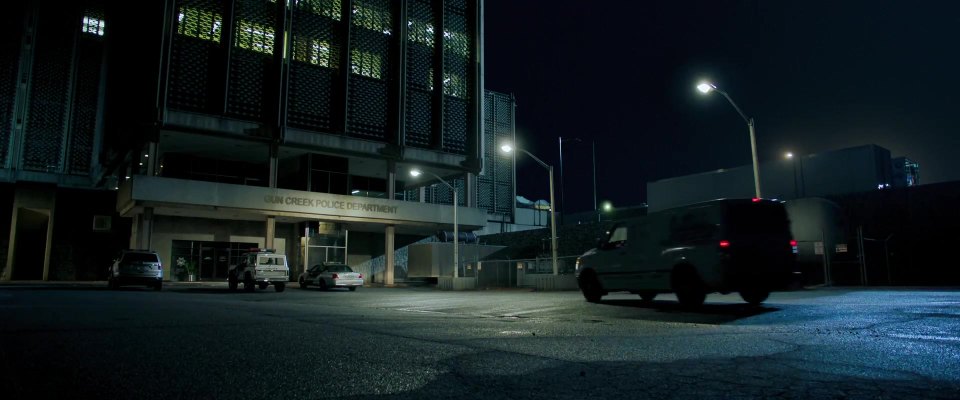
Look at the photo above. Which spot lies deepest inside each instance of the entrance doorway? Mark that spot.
(321, 248)
(205, 261)
(31, 243)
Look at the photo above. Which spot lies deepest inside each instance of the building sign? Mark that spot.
(818, 248)
(175, 193)
(841, 248)
(329, 204)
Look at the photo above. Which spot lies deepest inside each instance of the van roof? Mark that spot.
(724, 201)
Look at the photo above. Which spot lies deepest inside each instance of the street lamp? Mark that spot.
(456, 231)
(707, 87)
(796, 188)
(507, 148)
(799, 188)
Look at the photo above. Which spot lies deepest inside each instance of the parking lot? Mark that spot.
(201, 340)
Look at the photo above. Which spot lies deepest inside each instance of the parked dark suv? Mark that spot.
(136, 267)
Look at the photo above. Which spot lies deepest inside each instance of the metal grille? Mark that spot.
(421, 54)
(194, 55)
(44, 131)
(457, 77)
(251, 57)
(411, 195)
(86, 99)
(315, 64)
(12, 31)
(441, 194)
(370, 66)
(495, 185)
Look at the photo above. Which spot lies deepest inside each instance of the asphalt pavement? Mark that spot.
(199, 340)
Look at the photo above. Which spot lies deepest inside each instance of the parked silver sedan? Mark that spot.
(331, 275)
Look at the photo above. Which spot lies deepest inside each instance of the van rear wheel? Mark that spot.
(689, 288)
(754, 296)
(647, 297)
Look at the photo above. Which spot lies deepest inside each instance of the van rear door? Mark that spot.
(757, 236)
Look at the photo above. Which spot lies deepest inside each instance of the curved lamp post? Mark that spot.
(707, 87)
(507, 148)
(456, 232)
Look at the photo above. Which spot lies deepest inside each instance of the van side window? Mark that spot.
(618, 238)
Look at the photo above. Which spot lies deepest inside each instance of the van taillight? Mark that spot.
(360, 276)
(793, 243)
(793, 247)
(724, 244)
(756, 200)
(335, 276)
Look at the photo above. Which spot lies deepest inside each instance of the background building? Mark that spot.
(831, 173)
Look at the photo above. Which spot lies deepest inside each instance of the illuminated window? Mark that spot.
(366, 64)
(326, 8)
(92, 25)
(454, 85)
(254, 37)
(314, 51)
(457, 43)
(420, 32)
(201, 24)
(371, 18)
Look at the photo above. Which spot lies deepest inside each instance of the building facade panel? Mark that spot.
(195, 71)
(372, 61)
(316, 39)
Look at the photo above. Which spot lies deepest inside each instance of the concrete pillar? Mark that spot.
(391, 180)
(8, 269)
(134, 241)
(470, 190)
(145, 229)
(388, 256)
(271, 232)
(274, 165)
(47, 249)
(153, 162)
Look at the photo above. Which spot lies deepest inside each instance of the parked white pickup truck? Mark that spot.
(260, 267)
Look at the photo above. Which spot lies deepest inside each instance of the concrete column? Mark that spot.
(49, 247)
(423, 194)
(388, 256)
(391, 179)
(145, 231)
(274, 165)
(11, 247)
(470, 190)
(152, 162)
(134, 241)
(271, 231)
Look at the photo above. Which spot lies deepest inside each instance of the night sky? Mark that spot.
(815, 75)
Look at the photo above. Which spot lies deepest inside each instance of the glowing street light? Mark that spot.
(707, 87)
(607, 206)
(788, 155)
(456, 231)
(507, 148)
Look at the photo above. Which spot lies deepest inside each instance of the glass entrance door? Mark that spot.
(206, 261)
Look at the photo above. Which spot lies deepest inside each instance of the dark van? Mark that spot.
(725, 246)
